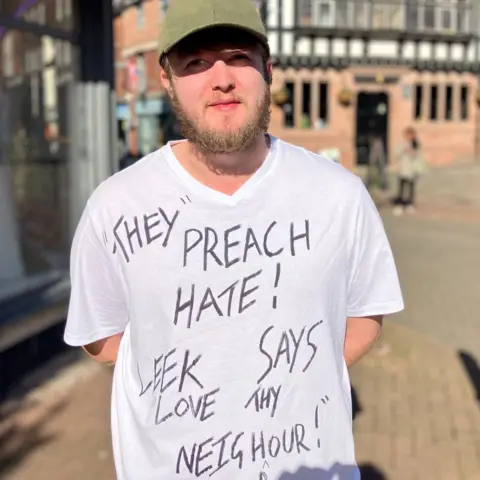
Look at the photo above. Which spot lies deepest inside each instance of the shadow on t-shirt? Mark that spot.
(337, 472)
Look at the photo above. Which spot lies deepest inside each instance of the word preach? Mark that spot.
(213, 454)
(238, 243)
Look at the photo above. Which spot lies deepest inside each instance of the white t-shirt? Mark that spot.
(234, 310)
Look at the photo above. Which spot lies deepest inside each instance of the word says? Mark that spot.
(232, 447)
(210, 300)
(237, 249)
(151, 229)
(288, 348)
(198, 409)
(262, 398)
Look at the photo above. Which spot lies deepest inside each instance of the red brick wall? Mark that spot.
(136, 36)
(132, 39)
(120, 69)
(443, 142)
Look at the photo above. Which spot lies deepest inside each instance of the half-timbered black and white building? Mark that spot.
(347, 69)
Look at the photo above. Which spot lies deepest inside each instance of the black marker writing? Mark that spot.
(275, 285)
(294, 238)
(193, 457)
(222, 304)
(287, 348)
(263, 448)
(200, 408)
(265, 398)
(161, 378)
(138, 232)
(212, 455)
(316, 424)
(324, 400)
(237, 244)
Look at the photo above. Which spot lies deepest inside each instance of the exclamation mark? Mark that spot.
(316, 424)
(275, 285)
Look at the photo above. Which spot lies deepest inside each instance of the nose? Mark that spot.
(221, 77)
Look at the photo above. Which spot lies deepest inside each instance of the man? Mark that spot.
(231, 277)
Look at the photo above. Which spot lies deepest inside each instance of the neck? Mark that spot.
(225, 173)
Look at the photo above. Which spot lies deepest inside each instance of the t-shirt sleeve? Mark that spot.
(374, 287)
(97, 307)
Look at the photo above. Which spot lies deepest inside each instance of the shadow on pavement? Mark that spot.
(20, 439)
(371, 472)
(473, 371)
(24, 420)
(356, 407)
(20, 365)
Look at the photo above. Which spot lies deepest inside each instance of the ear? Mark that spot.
(164, 80)
(269, 72)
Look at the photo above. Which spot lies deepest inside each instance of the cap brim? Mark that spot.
(261, 38)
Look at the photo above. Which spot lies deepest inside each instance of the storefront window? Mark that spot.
(34, 147)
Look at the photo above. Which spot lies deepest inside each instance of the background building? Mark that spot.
(143, 111)
(347, 69)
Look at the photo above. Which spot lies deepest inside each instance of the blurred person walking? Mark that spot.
(377, 163)
(231, 277)
(410, 165)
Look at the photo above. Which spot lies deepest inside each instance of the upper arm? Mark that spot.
(97, 308)
(373, 285)
(370, 325)
(105, 350)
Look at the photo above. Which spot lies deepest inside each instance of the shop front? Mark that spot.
(57, 143)
(148, 112)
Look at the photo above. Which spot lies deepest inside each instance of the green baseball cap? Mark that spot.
(185, 17)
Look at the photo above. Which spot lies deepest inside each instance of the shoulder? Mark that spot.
(309, 170)
(126, 183)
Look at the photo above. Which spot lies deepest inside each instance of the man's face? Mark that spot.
(217, 82)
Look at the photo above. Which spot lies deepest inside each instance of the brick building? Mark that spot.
(141, 104)
(350, 68)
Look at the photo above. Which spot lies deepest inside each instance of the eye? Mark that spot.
(240, 58)
(196, 64)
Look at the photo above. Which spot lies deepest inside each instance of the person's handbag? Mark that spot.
(420, 166)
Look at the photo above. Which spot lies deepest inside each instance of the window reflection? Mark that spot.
(35, 73)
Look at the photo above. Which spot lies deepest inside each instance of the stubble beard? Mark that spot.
(210, 141)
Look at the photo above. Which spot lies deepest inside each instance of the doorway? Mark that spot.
(372, 122)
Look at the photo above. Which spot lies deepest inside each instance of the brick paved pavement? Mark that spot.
(418, 418)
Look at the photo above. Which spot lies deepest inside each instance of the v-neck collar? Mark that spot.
(203, 190)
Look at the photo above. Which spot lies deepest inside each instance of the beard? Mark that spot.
(211, 141)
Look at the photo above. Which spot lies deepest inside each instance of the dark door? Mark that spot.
(372, 121)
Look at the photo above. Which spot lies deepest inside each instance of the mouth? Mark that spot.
(225, 105)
